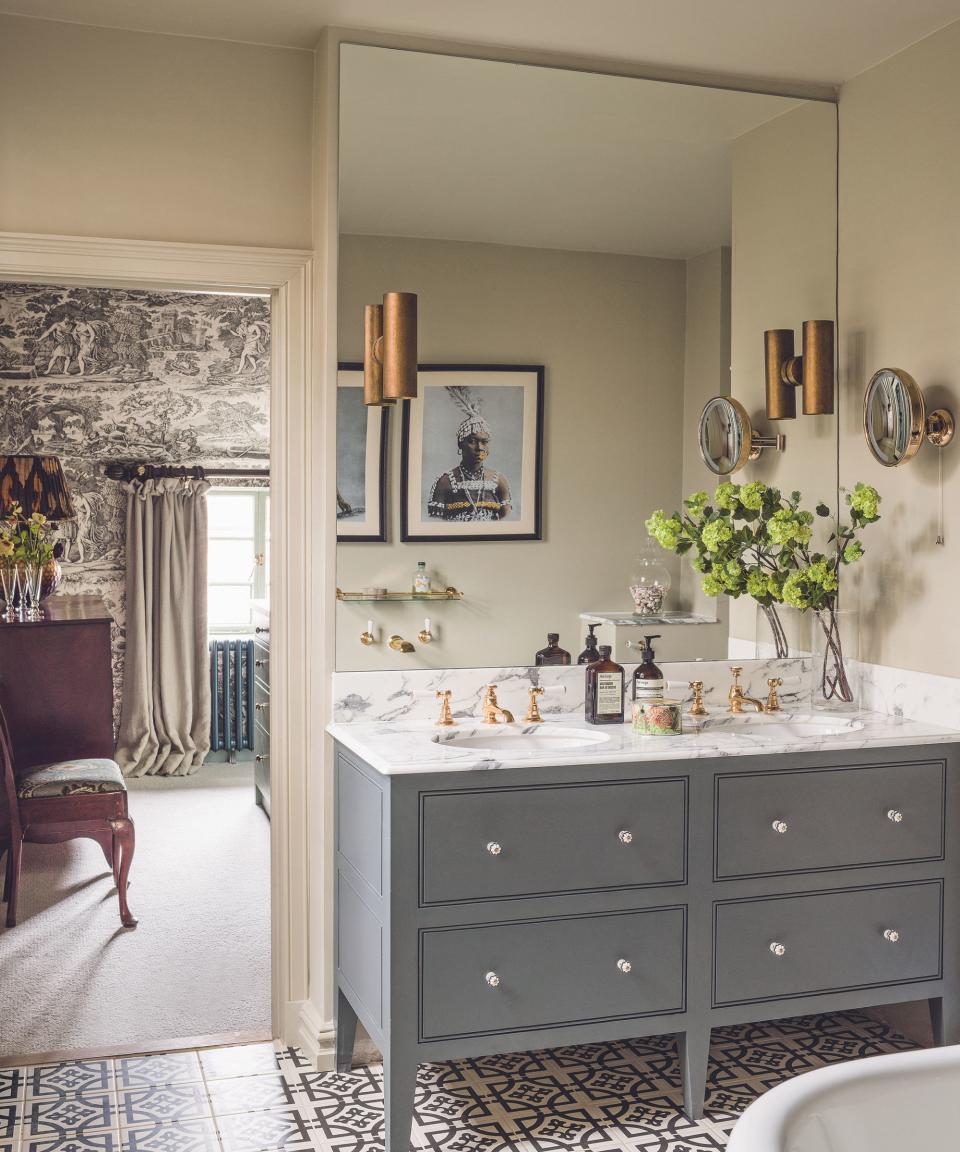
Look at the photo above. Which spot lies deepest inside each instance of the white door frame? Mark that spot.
(299, 501)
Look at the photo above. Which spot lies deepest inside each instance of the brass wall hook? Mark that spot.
(446, 719)
(398, 644)
(533, 708)
(368, 637)
(425, 636)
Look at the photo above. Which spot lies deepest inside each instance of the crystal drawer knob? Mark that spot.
(895, 816)
(778, 949)
(625, 966)
(891, 935)
(625, 837)
(492, 979)
(779, 826)
(494, 848)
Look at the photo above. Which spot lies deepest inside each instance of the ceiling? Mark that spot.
(817, 41)
(459, 149)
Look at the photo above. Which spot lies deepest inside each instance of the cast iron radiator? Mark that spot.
(231, 695)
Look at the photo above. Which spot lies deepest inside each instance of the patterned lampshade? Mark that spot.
(36, 483)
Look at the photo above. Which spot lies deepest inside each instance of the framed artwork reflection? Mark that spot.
(472, 453)
(361, 460)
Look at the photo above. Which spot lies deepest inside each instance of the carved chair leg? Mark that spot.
(13, 880)
(105, 840)
(8, 856)
(124, 842)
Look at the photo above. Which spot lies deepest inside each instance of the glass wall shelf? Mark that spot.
(399, 597)
(633, 620)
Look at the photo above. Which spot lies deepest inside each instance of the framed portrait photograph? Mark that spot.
(472, 453)
(361, 460)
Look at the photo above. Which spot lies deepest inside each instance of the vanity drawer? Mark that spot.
(834, 818)
(552, 839)
(508, 977)
(831, 941)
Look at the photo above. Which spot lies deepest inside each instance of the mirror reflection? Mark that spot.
(893, 417)
(594, 257)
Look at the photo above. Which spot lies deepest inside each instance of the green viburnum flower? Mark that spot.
(711, 585)
(727, 495)
(715, 535)
(785, 527)
(757, 585)
(665, 529)
(752, 494)
(853, 552)
(864, 501)
(809, 587)
(696, 502)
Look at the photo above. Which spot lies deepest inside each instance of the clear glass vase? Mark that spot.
(835, 672)
(782, 632)
(649, 582)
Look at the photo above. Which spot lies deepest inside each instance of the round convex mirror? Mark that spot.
(893, 416)
(725, 435)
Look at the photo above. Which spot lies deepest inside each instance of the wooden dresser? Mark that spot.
(56, 682)
(261, 697)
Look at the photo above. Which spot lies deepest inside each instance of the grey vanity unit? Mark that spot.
(496, 911)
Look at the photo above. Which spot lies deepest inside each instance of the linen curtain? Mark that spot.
(165, 712)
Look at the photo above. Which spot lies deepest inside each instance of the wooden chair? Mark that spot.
(51, 803)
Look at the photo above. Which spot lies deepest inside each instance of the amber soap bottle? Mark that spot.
(605, 688)
(553, 653)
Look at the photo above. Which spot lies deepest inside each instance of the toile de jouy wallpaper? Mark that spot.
(101, 374)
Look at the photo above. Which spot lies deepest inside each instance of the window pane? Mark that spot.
(230, 561)
(229, 606)
(230, 514)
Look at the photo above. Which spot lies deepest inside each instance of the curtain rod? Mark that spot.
(129, 471)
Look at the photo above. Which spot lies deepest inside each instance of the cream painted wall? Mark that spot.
(783, 272)
(610, 330)
(706, 374)
(900, 307)
(140, 136)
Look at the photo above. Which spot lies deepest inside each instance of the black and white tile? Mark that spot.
(623, 1097)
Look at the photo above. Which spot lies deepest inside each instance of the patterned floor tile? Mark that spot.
(9, 1121)
(11, 1083)
(280, 1129)
(159, 1105)
(241, 1060)
(7, 1146)
(72, 1142)
(69, 1078)
(53, 1116)
(250, 1094)
(180, 1136)
(162, 1068)
(291, 1059)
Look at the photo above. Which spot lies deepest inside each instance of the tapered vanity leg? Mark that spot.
(694, 1046)
(399, 1088)
(346, 1028)
(945, 1019)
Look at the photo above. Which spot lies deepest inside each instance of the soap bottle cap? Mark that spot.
(553, 637)
(605, 650)
(591, 635)
(647, 649)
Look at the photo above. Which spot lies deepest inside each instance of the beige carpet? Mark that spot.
(198, 964)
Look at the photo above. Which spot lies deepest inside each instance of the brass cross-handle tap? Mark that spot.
(697, 708)
(773, 700)
(736, 695)
(446, 719)
(533, 710)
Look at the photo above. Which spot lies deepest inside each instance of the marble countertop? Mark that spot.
(397, 748)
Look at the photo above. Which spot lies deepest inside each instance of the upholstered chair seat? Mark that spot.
(70, 778)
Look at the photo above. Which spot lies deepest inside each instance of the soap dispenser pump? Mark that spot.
(648, 681)
(590, 654)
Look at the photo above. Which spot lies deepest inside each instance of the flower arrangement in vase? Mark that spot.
(751, 540)
(29, 570)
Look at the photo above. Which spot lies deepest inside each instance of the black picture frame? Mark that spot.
(413, 525)
(376, 443)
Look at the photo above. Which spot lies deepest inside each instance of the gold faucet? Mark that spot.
(737, 698)
(492, 710)
(773, 700)
(446, 716)
(697, 708)
(533, 711)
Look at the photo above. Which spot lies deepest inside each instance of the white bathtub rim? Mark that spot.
(767, 1122)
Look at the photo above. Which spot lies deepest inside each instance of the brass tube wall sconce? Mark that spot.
(390, 349)
(813, 371)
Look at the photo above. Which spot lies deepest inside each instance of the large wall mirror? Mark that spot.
(594, 258)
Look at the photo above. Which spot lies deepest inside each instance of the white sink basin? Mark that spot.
(521, 741)
(783, 725)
